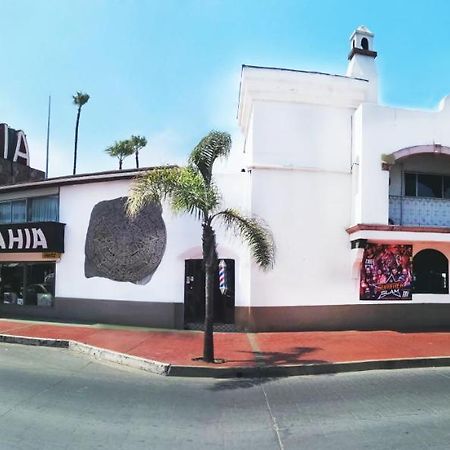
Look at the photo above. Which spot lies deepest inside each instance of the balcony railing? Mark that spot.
(419, 211)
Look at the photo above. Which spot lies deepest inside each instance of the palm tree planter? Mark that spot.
(192, 190)
(79, 100)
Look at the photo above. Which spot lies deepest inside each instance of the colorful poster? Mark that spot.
(386, 272)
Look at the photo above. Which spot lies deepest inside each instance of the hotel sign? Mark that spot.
(32, 237)
(13, 145)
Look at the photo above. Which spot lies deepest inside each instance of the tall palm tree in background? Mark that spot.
(79, 100)
(138, 143)
(121, 150)
(192, 190)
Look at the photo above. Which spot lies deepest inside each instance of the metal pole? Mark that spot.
(48, 134)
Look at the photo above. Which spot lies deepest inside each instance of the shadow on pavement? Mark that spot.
(239, 383)
(294, 356)
(281, 358)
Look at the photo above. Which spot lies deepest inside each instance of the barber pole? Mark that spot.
(222, 277)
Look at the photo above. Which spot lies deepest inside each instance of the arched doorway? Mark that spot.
(430, 272)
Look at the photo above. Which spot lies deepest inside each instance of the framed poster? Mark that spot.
(386, 272)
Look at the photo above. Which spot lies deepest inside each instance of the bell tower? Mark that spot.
(362, 60)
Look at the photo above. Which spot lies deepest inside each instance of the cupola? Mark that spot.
(362, 60)
(361, 43)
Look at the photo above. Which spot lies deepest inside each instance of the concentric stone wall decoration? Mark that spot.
(123, 249)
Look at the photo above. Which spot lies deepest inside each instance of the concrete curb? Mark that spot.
(25, 340)
(307, 369)
(102, 354)
(149, 365)
(166, 369)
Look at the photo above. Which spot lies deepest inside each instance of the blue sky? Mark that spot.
(170, 69)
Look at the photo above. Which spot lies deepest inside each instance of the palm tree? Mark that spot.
(192, 190)
(79, 100)
(138, 143)
(120, 150)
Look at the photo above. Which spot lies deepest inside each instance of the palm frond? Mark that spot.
(183, 187)
(153, 186)
(120, 149)
(254, 232)
(193, 195)
(80, 99)
(215, 144)
(138, 142)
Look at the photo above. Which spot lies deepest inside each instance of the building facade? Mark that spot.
(362, 231)
(69, 252)
(356, 193)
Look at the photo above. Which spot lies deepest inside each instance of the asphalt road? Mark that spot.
(55, 399)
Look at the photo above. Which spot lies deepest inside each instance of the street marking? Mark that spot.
(273, 419)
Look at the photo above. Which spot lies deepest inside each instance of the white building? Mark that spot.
(68, 252)
(357, 195)
(352, 174)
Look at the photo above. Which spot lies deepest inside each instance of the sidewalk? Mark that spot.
(246, 351)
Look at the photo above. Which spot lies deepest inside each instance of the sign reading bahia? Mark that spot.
(32, 237)
(13, 145)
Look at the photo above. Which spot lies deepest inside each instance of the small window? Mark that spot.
(13, 212)
(18, 211)
(429, 186)
(43, 209)
(5, 212)
(410, 184)
(446, 187)
(365, 43)
(36, 209)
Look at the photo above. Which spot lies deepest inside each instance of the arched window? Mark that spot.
(430, 272)
(365, 43)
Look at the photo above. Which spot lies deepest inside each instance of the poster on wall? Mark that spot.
(386, 272)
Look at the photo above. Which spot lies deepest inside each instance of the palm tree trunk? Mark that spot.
(210, 261)
(137, 159)
(76, 141)
(120, 163)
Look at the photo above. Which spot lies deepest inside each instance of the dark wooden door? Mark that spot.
(194, 293)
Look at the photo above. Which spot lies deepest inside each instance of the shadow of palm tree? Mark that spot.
(240, 383)
(294, 356)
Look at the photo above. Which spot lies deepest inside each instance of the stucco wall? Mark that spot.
(183, 242)
(302, 135)
(301, 185)
(384, 130)
(76, 203)
(308, 214)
